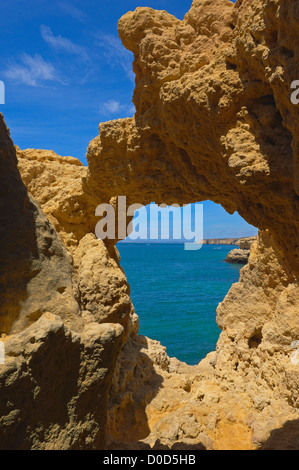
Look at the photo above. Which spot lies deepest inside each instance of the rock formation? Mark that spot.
(242, 396)
(221, 241)
(214, 120)
(241, 255)
(246, 243)
(238, 256)
(60, 351)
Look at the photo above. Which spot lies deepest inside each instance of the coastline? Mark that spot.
(235, 241)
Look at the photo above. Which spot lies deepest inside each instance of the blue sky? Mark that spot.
(65, 71)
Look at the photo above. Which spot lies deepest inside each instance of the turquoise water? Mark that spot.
(176, 292)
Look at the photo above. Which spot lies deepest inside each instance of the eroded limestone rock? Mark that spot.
(60, 352)
(241, 255)
(238, 256)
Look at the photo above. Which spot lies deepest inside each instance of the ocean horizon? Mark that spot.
(176, 293)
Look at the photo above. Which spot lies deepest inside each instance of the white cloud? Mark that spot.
(116, 53)
(33, 71)
(73, 11)
(112, 106)
(115, 107)
(62, 44)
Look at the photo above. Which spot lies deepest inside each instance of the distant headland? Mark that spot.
(208, 241)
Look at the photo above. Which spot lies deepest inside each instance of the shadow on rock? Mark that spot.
(285, 438)
(134, 386)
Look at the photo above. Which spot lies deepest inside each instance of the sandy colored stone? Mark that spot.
(238, 256)
(60, 351)
(50, 378)
(246, 243)
(56, 182)
(36, 269)
(236, 395)
(214, 118)
(101, 284)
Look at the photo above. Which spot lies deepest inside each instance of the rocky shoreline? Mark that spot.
(228, 241)
(238, 256)
(241, 254)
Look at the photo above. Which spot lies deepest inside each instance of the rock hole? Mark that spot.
(287, 53)
(231, 66)
(34, 316)
(256, 41)
(273, 137)
(266, 100)
(61, 290)
(187, 387)
(171, 287)
(255, 339)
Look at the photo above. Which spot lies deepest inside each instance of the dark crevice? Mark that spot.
(231, 66)
(256, 41)
(255, 339)
(274, 139)
(287, 53)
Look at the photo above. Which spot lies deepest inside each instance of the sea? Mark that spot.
(176, 292)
